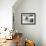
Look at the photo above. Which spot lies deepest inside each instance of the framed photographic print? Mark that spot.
(28, 18)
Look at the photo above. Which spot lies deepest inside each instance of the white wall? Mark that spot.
(30, 31)
(6, 13)
(43, 22)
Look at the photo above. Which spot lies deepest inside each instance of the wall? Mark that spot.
(32, 32)
(43, 22)
(6, 13)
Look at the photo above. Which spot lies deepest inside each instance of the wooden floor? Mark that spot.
(9, 43)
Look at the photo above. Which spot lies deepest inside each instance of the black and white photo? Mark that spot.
(28, 18)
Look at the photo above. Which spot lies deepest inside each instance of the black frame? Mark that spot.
(34, 20)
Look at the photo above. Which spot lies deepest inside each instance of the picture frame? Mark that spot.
(28, 18)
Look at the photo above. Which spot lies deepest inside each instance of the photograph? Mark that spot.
(28, 18)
